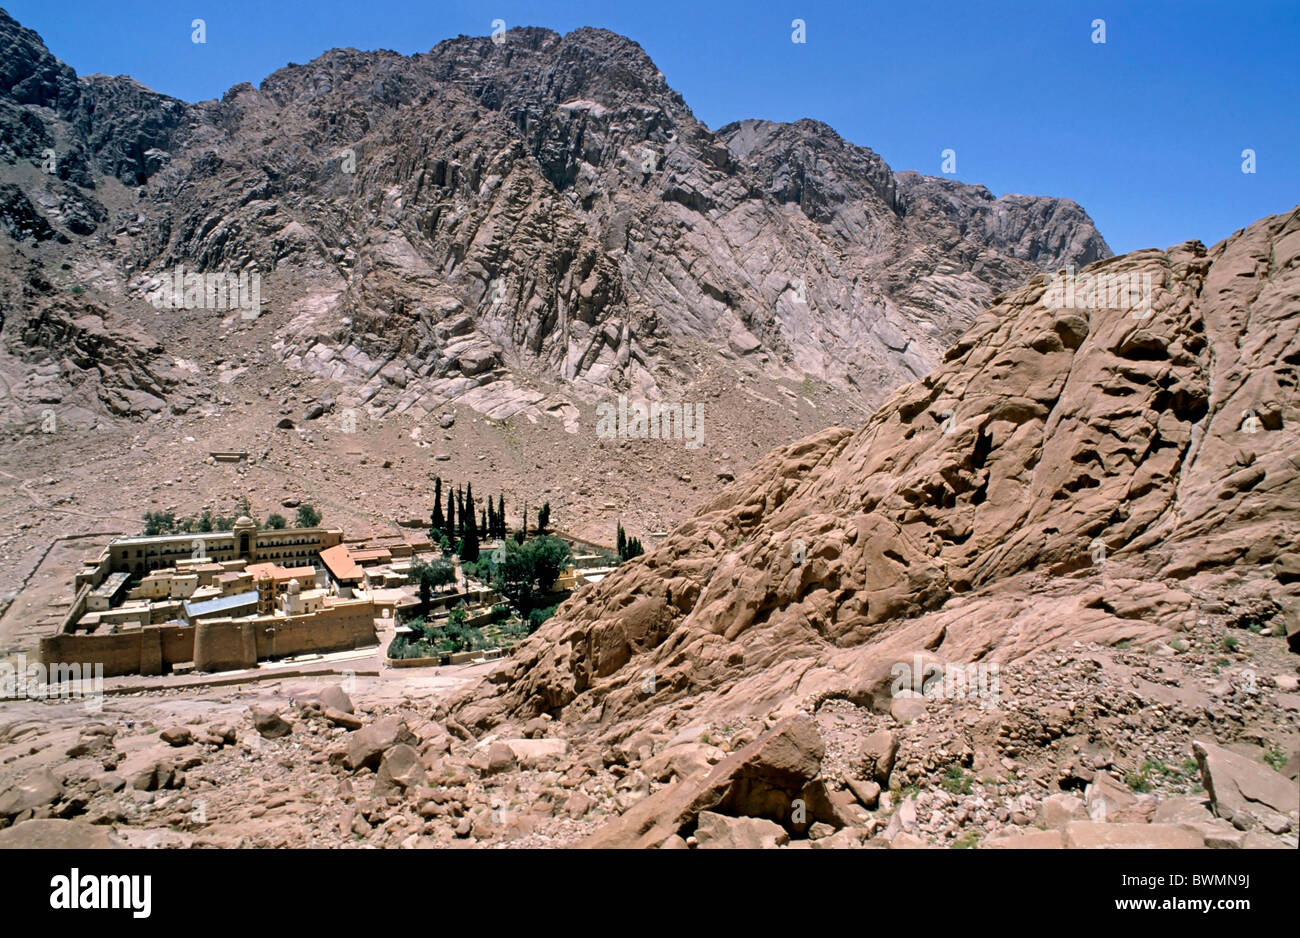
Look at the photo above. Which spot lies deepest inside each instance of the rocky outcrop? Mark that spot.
(1247, 793)
(763, 780)
(78, 350)
(1059, 476)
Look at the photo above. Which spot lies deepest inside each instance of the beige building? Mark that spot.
(140, 555)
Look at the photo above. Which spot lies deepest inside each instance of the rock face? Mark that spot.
(1061, 475)
(763, 780)
(1247, 793)
(488, 221)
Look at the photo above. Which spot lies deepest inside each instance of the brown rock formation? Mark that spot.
(1055, 479)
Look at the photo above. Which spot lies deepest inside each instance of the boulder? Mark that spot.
(177, 736)
(54, 834)
(1095, 835)
(1109, 800)
(719, 832)
(762, 779)
(1286, 567)
(38, 790)
(536, 753)
(907, 707)
(682, 761)
(270, 725)
(366, 747)
(867, 793)
(333, 697)
(834, 806)
(341, 718)
(906, 841)
(1060, 809)
(578, 804)
(500, 758)
(876, 756)
(152, 775)
(1244, 792)
(1026, 840)
(400, 769)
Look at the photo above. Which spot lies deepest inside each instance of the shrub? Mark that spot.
(538, 616)
(955, 781)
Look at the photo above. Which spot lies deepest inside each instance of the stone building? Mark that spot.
(287, 547)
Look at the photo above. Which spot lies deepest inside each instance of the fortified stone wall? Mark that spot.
(217, 645)
(335, 628)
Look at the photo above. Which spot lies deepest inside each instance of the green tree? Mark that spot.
(628, 547)
(544, 518)
(469, 546)
(429, 576)
(159, 522)
(436, 520)
(528, 570)
(276, 522)
(538, 616)
(307, 517)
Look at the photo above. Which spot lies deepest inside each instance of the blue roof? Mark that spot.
(220, 604)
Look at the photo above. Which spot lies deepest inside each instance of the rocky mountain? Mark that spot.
(511, 226)
(1067, 479)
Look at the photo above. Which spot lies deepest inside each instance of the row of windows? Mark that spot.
(157, 557)
(222, 544)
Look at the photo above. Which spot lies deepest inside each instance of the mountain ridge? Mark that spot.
(609, 268)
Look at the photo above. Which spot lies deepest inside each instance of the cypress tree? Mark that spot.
(451, 514)
(439, 523)
(460, 512)
(469, 546)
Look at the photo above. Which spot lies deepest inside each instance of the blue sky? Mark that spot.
(1146, 131)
